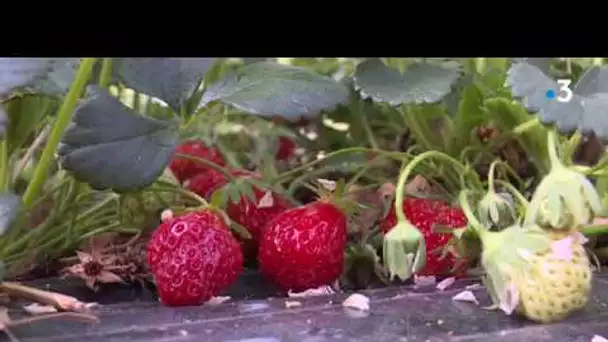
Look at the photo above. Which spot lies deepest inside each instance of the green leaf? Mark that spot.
(172, 80)
(51, 75)
(219, 199)
(584, 112)
(10, 205)
(470, 115)
(245, 188)
(111, 147)
(272, 89)
(452, 100)
(420, 83)
(25, 114)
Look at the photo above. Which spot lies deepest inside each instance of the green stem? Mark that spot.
(5, 174)
(468, 212)
(526, 126)
(411, 120)
(64, 116)
(180, 191)
(105, 75)
(356, 107)
(410, 167)
(480, 65)
(553, 158)
(595, 230)
(393, 155)
(491, 176)
(522, 200)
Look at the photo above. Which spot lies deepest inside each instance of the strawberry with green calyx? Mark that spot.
(564, 199)
(303, 247)
(193, 258)
(404, 247)
(495, 210)
(141, 209)
(445, 255)
(543, 275)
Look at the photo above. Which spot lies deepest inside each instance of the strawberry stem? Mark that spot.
(209, 164)
(491, 188)
(403, 176)
(305, 167)
(468, 212)
(553, 157)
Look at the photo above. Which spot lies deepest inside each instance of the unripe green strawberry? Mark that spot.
(557, 283)
(543, 275)
(565, 199)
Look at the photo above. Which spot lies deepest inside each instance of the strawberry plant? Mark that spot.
(190, 168)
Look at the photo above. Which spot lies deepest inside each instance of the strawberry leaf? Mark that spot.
(10, 205)
(452, 99)
(584, 112)
(420, 83)
(111, 147)
(172, 80)
(24, 116)
(47, 75)
(219, 199)
(244, 187)
(271, 89)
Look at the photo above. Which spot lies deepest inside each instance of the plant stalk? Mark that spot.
(64, 116)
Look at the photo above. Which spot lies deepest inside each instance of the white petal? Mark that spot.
(320, 291)
(266, 201)
(598, 338)
(357, 301)
(445, 283)
(465, 296)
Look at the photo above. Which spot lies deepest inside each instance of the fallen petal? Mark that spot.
(292, 304)
(320, 291)
(266, 201)
(465, 296)
(37, 309)
(217, 300)
(476, 286)
(445, 283)
(357, 301)
(327, 184)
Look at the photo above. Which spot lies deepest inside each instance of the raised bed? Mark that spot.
(405, 313)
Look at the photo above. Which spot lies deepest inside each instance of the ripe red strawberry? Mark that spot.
(424, 214)
(287, 148)
(206, 183)
(303, 247)
(253, 216)
(184, 168)
(193, 258)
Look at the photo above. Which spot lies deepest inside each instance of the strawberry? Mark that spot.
(206, 183)
(193, 258)
(184, 168)
(303, 247)
(424, 214)
(253, 216)
(287, 148)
